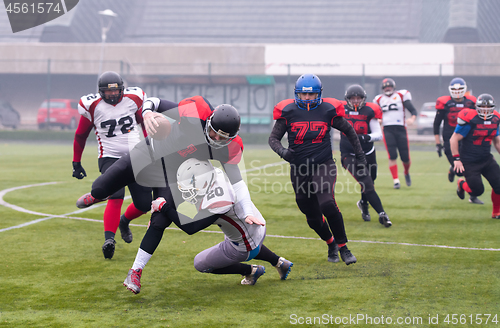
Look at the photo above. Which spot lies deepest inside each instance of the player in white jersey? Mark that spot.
(393, 104)
(210, 190)
(115, 114)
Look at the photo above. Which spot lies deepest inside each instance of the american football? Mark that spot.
(164, 128)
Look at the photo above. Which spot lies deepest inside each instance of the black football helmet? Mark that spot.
(485, 105)
(111, 81)
(352, 91)
(386, 83)
(225, 122)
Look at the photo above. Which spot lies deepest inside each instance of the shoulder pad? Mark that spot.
(87, 101)
(471, 98)
(337, 105)
(196, 106)
(441, 101)
(376, 109)
(278, 109)
(467, 114)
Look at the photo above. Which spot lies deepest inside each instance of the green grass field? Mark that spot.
(437, 266)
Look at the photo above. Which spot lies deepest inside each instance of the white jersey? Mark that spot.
(393, 110)
(116, 127)
(221, 199)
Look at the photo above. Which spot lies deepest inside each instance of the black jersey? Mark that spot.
(360, 121)
(478, 134)
(309, 130)
(447, 111)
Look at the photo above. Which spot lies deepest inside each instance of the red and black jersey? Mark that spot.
(447, 111)
(187, 137)
(360, 121)
(309, 131)
(478, 134)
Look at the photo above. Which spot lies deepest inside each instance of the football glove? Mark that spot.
(287, 154)
(364, 138)
(439, 149)
(157, 204)
(78, 171)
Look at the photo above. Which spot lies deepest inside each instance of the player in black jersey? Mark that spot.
(364, 118)
(447, 109)
(308, 119)
(477, 129)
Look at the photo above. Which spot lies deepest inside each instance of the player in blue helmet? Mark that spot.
(308, 89)
(313, 171)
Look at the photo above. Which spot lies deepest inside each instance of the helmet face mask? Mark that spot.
(388, 86)
(485, 105)
(308, 83)
(355, 91)
(457, 88)
(194, 179)
(111, 81)
(222, 126)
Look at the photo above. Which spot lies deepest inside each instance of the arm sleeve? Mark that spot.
(202, 220)
(243, 198)
(277, 134)
(437, 120)
(376, 134)
(343, 126)
(409, 105)
(81, 134)
(166, 107)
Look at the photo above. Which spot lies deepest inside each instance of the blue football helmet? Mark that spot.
(308, 83)
(457, 88)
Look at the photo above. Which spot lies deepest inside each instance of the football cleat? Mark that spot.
(333, 253)
(251, 279)
(475, 200)
(125, 229)
(451, 174)
(363, 207)
(460, 189)
(346, 255)
(108, 248)
(284, 266)
(408, 179)
(87, 200)
(133, 280)
(496, 216)
(383, 218)
(397, 185)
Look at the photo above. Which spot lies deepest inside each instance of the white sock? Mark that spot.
(141, 259)
(396, 181)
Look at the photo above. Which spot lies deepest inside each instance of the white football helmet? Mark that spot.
(457, 88)
(194, 179)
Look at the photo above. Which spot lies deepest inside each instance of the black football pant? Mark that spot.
(314, 188)
(396, 139)
(141, 196)
(489, 169)
(364, 179)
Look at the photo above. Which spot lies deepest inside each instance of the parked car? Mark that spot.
(8, 115)
(63, 113)
(425, 119)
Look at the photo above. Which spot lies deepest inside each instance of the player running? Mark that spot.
(476, 129)
(364, 118)
(115, 114)
(393, 103)
(308, 119)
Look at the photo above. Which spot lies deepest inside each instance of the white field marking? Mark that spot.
(50, 216)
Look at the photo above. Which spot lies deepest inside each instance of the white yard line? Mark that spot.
(68, 216)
